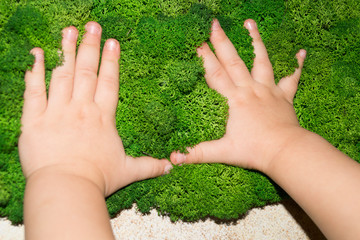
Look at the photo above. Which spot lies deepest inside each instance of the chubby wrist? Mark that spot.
(291, 137)
(66, 202)
(83, 172)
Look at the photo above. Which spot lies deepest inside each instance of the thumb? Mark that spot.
(205, 152)
(146, 167)
(289, 84)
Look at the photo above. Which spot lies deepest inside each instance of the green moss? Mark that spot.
(12, 184)
(164, 102)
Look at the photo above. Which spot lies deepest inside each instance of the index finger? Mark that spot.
(262, 71)
(215, 75)
(87, 62)
(107, 90)
(228, 56)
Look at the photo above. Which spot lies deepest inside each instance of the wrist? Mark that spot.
(65, 202)
(288, 139)
(85, 172)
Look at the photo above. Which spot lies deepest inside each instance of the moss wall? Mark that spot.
(164, 102)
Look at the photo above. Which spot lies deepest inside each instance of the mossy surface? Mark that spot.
(164, 102)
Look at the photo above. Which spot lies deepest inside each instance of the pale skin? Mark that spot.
(72, 156)
(263, 133)
(70, 151)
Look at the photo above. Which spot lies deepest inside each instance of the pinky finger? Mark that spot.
(35, 101)
(289, 84)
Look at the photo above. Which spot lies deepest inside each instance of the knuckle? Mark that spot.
(34, 92)
(87, 72)
(237, 63)
(110, 82)
(90, 41)
(264, 62)
(261, 91)
(62, 75)
(198, 155)
(257, 39)
(87, 111)
(157, 170)
(217, 73)
(238, 100)
(68, 50)
(293, 81)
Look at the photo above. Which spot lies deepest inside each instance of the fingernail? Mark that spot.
(93, 28)
(250, 25)
(215, 25)
(111, 44)
(39, 56)
(180, 158)
(168, 169)
(302, 53)
(71, 34)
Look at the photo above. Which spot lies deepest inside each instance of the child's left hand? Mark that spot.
(73, 130)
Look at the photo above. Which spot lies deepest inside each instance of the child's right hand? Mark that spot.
(262, 120)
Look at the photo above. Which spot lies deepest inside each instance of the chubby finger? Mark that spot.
(228, 56)
(107, 90)
(35, 101)
(62, 80)
(215, 75)
(146, 167)
(290, 83)
(262, 70)
(205, 152)
(87, 62)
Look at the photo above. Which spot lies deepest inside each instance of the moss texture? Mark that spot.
(164, 102)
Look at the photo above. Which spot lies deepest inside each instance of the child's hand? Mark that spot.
(73, 130)
(261, 116)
